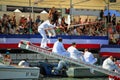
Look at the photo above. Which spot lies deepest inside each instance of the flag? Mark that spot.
(110, 50)
(11, 41)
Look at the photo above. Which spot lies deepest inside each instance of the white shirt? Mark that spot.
(89, 58)
(109, 64)
(74, 53)
(44, 25)
(58, 47)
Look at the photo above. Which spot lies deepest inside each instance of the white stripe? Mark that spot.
(65, 41)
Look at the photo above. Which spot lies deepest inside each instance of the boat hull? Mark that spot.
(83, 72)
(14, 72)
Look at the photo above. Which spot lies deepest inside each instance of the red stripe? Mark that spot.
(4, 46)
(96, 46)
(106, 54)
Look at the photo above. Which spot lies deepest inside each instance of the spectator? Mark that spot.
(22, 20)
(7, 59)
(118, 27)
(38, 20)
(64, 25)
(114, 20)
(101, 15)
(108, 17)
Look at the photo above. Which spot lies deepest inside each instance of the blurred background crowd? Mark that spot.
(102, 26)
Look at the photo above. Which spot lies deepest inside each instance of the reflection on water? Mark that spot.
(58, 78)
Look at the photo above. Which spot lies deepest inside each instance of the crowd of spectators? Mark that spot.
(98, 27)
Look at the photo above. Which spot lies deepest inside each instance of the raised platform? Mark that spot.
(83, 72)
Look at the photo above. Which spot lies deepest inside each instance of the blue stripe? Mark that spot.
(63, 36)
(110, 46)
(114, 50)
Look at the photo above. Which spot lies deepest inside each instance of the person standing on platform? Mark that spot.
(74, 53)
(45, 28)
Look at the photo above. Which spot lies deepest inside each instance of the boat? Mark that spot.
(98, 69)
(17, 72)
(72, 71)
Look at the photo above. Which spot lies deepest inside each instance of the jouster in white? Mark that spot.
(74, 53)
(58, 48)
(89, 58)
(48, 27)
(109, 64)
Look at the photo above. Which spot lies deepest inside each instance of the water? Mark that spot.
(58, 78)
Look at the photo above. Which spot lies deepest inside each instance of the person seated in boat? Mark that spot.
(23, 63)
(58, 48)
(109, 64)
(75, 53)
(89, 57)
(7, 59)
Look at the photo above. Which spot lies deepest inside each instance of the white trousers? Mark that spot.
(44, 38)
(61, 64)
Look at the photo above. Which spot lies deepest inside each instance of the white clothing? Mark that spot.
(89, 58)
(51, 32)
(109, 64)
(75, 54)
(58, 48)
(41, 30)
(23, 63)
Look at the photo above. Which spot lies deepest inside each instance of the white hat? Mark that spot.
(23, 16)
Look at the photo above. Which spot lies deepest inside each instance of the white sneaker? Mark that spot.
(50, 35)
(53, 35)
